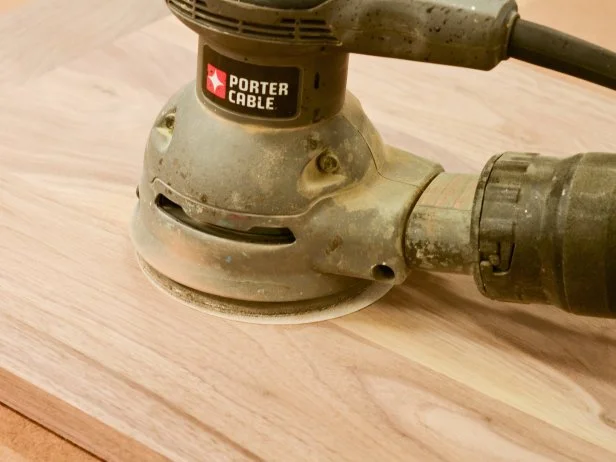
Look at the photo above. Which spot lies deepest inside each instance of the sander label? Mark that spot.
(264, 91)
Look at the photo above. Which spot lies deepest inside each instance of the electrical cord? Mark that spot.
(552, 49)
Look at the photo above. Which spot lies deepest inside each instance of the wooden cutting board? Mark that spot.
(432, 372)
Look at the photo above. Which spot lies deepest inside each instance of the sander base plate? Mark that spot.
(365, 293)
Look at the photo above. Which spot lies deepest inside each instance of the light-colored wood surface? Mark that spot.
(433, 372)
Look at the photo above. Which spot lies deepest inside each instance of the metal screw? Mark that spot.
(328, 162)
(169, 121)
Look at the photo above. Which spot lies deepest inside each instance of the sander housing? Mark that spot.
(267, 194)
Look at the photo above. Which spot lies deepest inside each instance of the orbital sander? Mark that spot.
(267, 195)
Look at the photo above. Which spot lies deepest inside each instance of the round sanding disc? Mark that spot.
(301, 312)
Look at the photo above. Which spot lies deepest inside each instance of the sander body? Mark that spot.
(267, 195)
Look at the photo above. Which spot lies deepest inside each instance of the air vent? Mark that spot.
(257, 235)
(301, 30)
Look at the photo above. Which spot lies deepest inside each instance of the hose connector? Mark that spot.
(545, 231)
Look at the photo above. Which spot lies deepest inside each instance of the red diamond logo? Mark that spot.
(216, 81)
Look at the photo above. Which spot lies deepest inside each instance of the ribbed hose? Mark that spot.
(549, 48)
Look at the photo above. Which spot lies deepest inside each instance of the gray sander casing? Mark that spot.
(230, 178)
(266, 191)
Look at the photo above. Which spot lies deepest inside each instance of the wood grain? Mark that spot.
(431, 373)
(43, 34)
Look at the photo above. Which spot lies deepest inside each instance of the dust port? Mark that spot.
(383, 273)
(256, 235)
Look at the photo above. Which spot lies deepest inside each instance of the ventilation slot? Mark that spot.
(320, 22)
(217, 21)
(216, 17)
(184, 6)
(312, 30)
(266, 34)
(268, 30)
(199, 12)
(317, 38)
(317, 30)
(257, 235)
(269, 27)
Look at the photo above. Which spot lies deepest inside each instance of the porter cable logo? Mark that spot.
(244, 92)
(216, 81)
(249, 89)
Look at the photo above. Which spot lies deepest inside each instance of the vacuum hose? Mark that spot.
(538, 230)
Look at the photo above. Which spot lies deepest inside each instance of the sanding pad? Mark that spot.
(300, 312)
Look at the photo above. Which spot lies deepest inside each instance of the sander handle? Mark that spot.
(466, 33)
(476, 34)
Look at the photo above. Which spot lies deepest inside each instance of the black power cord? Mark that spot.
(549, 48)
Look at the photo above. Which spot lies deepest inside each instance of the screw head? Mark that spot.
(327, 162)
(169, 121)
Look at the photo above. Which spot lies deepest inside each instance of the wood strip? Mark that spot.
(65, 420)
(22, 440)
